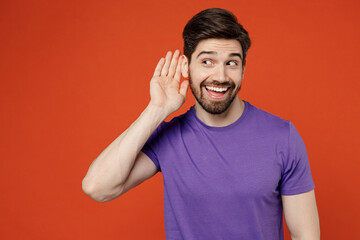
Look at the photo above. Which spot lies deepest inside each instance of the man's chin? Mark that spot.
(217, 107)
(213, 106)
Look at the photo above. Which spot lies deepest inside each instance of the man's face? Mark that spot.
(215, 73)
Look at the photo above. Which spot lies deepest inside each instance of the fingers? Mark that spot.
(174, 63)
(177, 75)
(165, 69)
(158, 68)
(169, 66)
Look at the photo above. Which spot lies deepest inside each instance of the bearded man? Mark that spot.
(230, 170)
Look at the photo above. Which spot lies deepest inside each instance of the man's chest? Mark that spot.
(223, 170)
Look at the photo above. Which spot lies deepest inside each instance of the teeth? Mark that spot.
(216, 89)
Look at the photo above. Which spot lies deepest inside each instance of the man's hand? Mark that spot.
(165, 89)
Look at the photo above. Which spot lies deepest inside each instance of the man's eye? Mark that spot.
(207, 62)
(232, 63)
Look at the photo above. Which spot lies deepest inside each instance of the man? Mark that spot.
(229, 168)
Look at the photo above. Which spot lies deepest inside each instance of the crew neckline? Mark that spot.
(240, 119)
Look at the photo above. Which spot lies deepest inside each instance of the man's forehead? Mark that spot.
(218, 46)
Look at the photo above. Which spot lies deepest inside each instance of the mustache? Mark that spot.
(217, 83)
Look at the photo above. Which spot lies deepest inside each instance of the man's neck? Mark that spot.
(226, 118)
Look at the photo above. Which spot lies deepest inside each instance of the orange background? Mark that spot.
(75, 74)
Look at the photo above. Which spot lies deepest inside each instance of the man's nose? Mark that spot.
(220, 74)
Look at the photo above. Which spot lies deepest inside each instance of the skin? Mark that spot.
(122, 166)
(216, 62)
(301, 216)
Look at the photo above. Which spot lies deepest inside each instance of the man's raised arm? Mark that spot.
(110, 172)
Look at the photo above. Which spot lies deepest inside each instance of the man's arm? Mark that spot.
(301, 216)
(121, 165)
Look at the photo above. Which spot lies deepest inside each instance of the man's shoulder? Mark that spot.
(266, 120)
(177, 121)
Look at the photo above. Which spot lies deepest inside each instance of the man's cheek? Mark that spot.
(200, 78)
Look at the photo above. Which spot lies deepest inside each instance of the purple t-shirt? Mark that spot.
(227, 182)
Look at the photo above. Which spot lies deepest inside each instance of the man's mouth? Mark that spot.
(217, 92)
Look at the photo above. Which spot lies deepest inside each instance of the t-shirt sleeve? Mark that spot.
(150, 147)
(296, 176)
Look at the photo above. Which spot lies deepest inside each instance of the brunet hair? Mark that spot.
(214, 23)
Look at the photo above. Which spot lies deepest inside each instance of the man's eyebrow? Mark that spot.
(236, 55)
(206, 52)
(214, 53)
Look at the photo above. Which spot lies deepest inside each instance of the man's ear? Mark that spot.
(243, 69)
(185, 67)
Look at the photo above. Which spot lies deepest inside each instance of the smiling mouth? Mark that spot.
(217, 89)
(217, 92)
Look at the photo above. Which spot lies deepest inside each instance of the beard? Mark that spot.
(214, 107)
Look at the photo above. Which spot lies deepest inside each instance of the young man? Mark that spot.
(229, 168)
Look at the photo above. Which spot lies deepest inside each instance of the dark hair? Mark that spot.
(214, 23)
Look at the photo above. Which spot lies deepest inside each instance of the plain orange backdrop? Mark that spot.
(75, 74)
